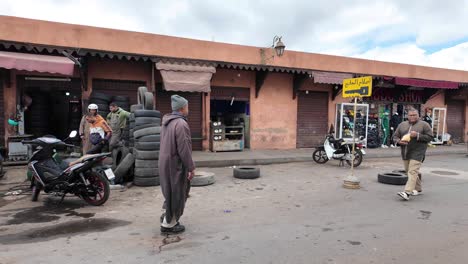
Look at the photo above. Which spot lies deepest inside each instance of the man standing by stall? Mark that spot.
(117, 119)
(413, 136)
(176, 167)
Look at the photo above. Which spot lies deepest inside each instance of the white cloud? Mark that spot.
(391, 30)
(453, 57)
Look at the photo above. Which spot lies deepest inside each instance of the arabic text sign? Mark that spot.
(357, 87)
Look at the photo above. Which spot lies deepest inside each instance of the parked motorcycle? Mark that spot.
(79, 179)
(339, 149)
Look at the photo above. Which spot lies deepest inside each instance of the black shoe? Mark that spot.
(177, 229)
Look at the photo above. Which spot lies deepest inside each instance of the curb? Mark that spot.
(269, 161)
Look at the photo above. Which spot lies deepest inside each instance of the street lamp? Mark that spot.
(278, 45)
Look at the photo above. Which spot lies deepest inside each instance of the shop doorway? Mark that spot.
(230, 122)
(55, 105)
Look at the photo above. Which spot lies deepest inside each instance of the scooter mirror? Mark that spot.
(73, 134)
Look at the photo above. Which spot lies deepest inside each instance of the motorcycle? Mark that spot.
(79, 179)
(340, 150)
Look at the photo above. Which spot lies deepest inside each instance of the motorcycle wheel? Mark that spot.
(357, 158)
(98, 193)
(36, 190)
(320, 156)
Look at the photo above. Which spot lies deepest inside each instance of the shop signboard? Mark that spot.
(357, 87)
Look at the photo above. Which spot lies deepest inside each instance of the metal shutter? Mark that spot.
(195, 120)
(456, 119)
(312, 119)
(118, 88)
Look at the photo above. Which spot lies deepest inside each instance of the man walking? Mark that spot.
(413, 136)
(117, 119)
(176, 167)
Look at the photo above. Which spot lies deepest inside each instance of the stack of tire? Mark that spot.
(102, 101)
(146, 134)
(131, 125)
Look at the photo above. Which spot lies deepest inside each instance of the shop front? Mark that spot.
(190, 81)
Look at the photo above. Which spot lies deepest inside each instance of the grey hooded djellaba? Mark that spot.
(175, 162)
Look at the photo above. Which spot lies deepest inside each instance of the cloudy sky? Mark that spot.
(430, 32)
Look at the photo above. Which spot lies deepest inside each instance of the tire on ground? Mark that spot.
(147, 120)
(118, 154)
(150, 138)
(149, 101)
(146, 163)
(202, 179)
(147, 145)
(246, 173)
(124, 167)
(147, 113)
(141, 94)
(136, 107)
(147, 132)
(144, 182)
(146, 155)
(146, 172)
(136, 128)
(101, 96)
(392, 178)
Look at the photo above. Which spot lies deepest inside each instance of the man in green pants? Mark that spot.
(117, 119)
(413, 136)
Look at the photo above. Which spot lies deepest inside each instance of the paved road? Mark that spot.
(295, 213)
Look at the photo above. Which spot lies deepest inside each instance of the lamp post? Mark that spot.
(277, 45)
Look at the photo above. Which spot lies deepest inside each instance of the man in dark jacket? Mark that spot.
(413, 136)
(176, 167)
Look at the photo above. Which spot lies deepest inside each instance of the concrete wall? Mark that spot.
(274, 114)
(67, 35)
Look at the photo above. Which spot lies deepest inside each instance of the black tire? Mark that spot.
(146, 163)
(202, 179)
(103, 108)
(101, 96)
(99, 183)
(149, 101)
(97, 101)
(147, 113)
(136, 128)
(147, 145)
(146, 155)
(357, 158)
(119, 98)
(133, 108)
(151, 138)
(145, 182)
(392, 178)
(320, 156)
(141, 94)
(147, 120)
(146, 172)
(124, 167)
(36, 190)
(404, 172)
(147, 132)
(246, 173)
(118, 154)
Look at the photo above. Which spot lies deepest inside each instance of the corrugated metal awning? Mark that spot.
(330, 77)
(426, 83)
(38, 63)
(186, 77)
